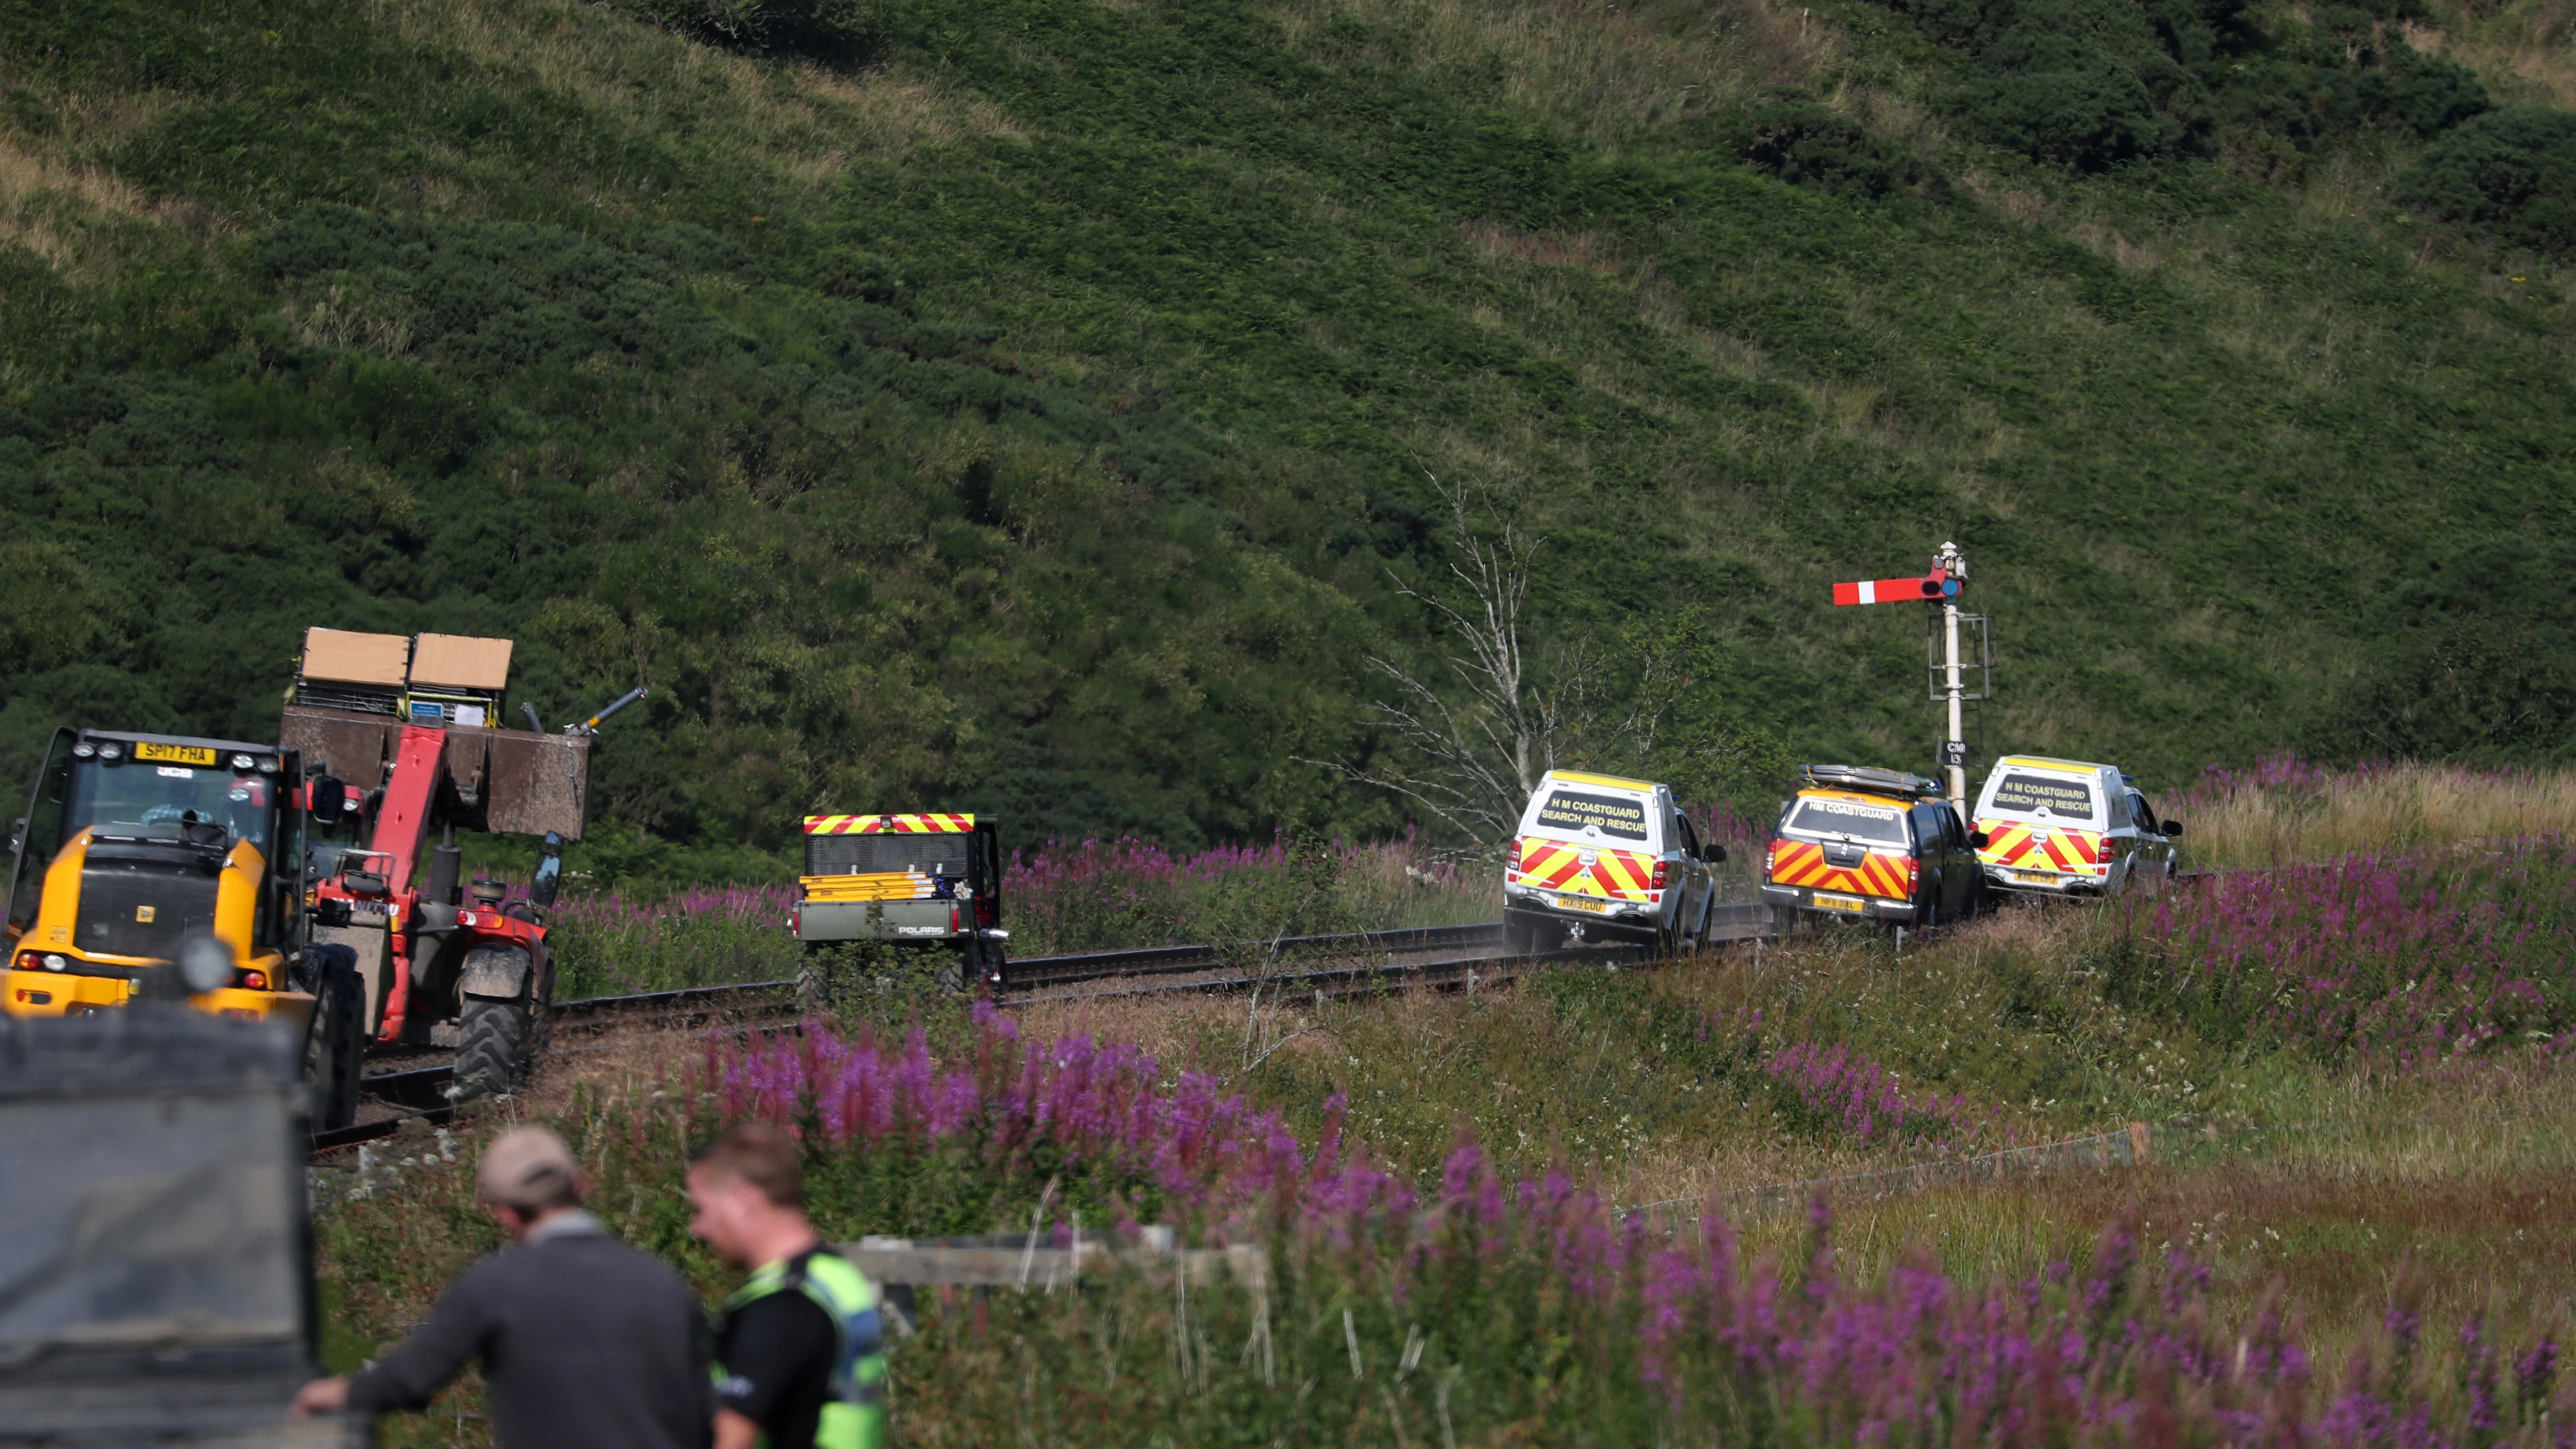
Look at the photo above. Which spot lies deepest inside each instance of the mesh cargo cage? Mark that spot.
(359, 673)
(456, 680)
(1867, 778)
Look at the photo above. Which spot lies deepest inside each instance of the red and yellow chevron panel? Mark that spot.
(1802, 863)
(1557, 865)
(926, 824)
(2020, 845)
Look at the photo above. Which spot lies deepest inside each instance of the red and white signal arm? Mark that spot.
(1934, 586)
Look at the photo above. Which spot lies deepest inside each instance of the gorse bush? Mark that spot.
(2509, 175)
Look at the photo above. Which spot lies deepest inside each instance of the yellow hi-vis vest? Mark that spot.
(854, 1410)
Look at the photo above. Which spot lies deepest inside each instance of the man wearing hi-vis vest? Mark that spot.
(800, 1359)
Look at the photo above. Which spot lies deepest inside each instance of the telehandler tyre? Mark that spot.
(492, 1050)
(335, 1045)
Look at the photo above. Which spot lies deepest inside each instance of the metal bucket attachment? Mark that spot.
(516, 782)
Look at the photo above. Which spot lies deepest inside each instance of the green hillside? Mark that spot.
(1032, 405)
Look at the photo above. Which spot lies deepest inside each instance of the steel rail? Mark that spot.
(420, 1091)
(1168, 960)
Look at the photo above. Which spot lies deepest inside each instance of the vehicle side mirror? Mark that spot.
(1978, 838)
(2173, 830)
(325, 799)
(1712, 852)
(548, 880)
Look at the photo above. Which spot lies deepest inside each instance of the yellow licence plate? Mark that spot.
(174, 754)
(1579, 903)
(2034, 877)
(1840, 903)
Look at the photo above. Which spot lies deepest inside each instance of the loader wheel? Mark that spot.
(492, 1056)
(335, 1045)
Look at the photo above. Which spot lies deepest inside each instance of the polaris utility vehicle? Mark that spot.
(924, 879)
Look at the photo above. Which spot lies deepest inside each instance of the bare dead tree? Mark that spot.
(1474, 751)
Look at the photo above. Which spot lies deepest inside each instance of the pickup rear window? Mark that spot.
(1568, 812)
(2063, 798)
(1876, 824)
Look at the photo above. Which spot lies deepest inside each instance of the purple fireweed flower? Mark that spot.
(2129, 1351)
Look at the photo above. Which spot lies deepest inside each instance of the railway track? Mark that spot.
(1448, 958)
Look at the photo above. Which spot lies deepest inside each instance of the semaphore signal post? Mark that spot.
(1949, 671)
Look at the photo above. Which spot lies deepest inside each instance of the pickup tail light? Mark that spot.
(1663, 875)
(1913, 874)
(2105, 851)
(1512, 862)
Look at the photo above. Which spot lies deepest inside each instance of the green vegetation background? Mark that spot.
(1026, 405)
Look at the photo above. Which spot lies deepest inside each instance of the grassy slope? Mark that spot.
(1244, 272)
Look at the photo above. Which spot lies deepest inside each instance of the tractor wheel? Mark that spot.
(492, 1054)
(335, 1045)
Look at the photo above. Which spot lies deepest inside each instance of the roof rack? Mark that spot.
(1869, 778)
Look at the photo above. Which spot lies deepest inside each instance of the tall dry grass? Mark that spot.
(2288, 810)
(1609, 71)
(807, 121)
(2525, 49)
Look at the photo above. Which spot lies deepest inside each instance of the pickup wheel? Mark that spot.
(1523, 936)
(492, 1056)
(335, 1044)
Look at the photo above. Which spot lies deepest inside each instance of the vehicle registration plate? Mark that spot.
(1583, 903)
(2034, 877)
(1840, 903)
(174, 754)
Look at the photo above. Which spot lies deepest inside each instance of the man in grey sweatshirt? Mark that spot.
(584, 1341)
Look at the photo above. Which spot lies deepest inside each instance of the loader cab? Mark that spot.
(133, 843)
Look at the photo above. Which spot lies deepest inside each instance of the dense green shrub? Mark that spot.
(835, 30)
(1805, 144)
(2509, 175)
(2091, 84)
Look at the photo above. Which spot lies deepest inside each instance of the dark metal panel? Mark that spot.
(537, 783)
(344, 745)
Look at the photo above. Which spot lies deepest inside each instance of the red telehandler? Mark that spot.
(403, 729)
